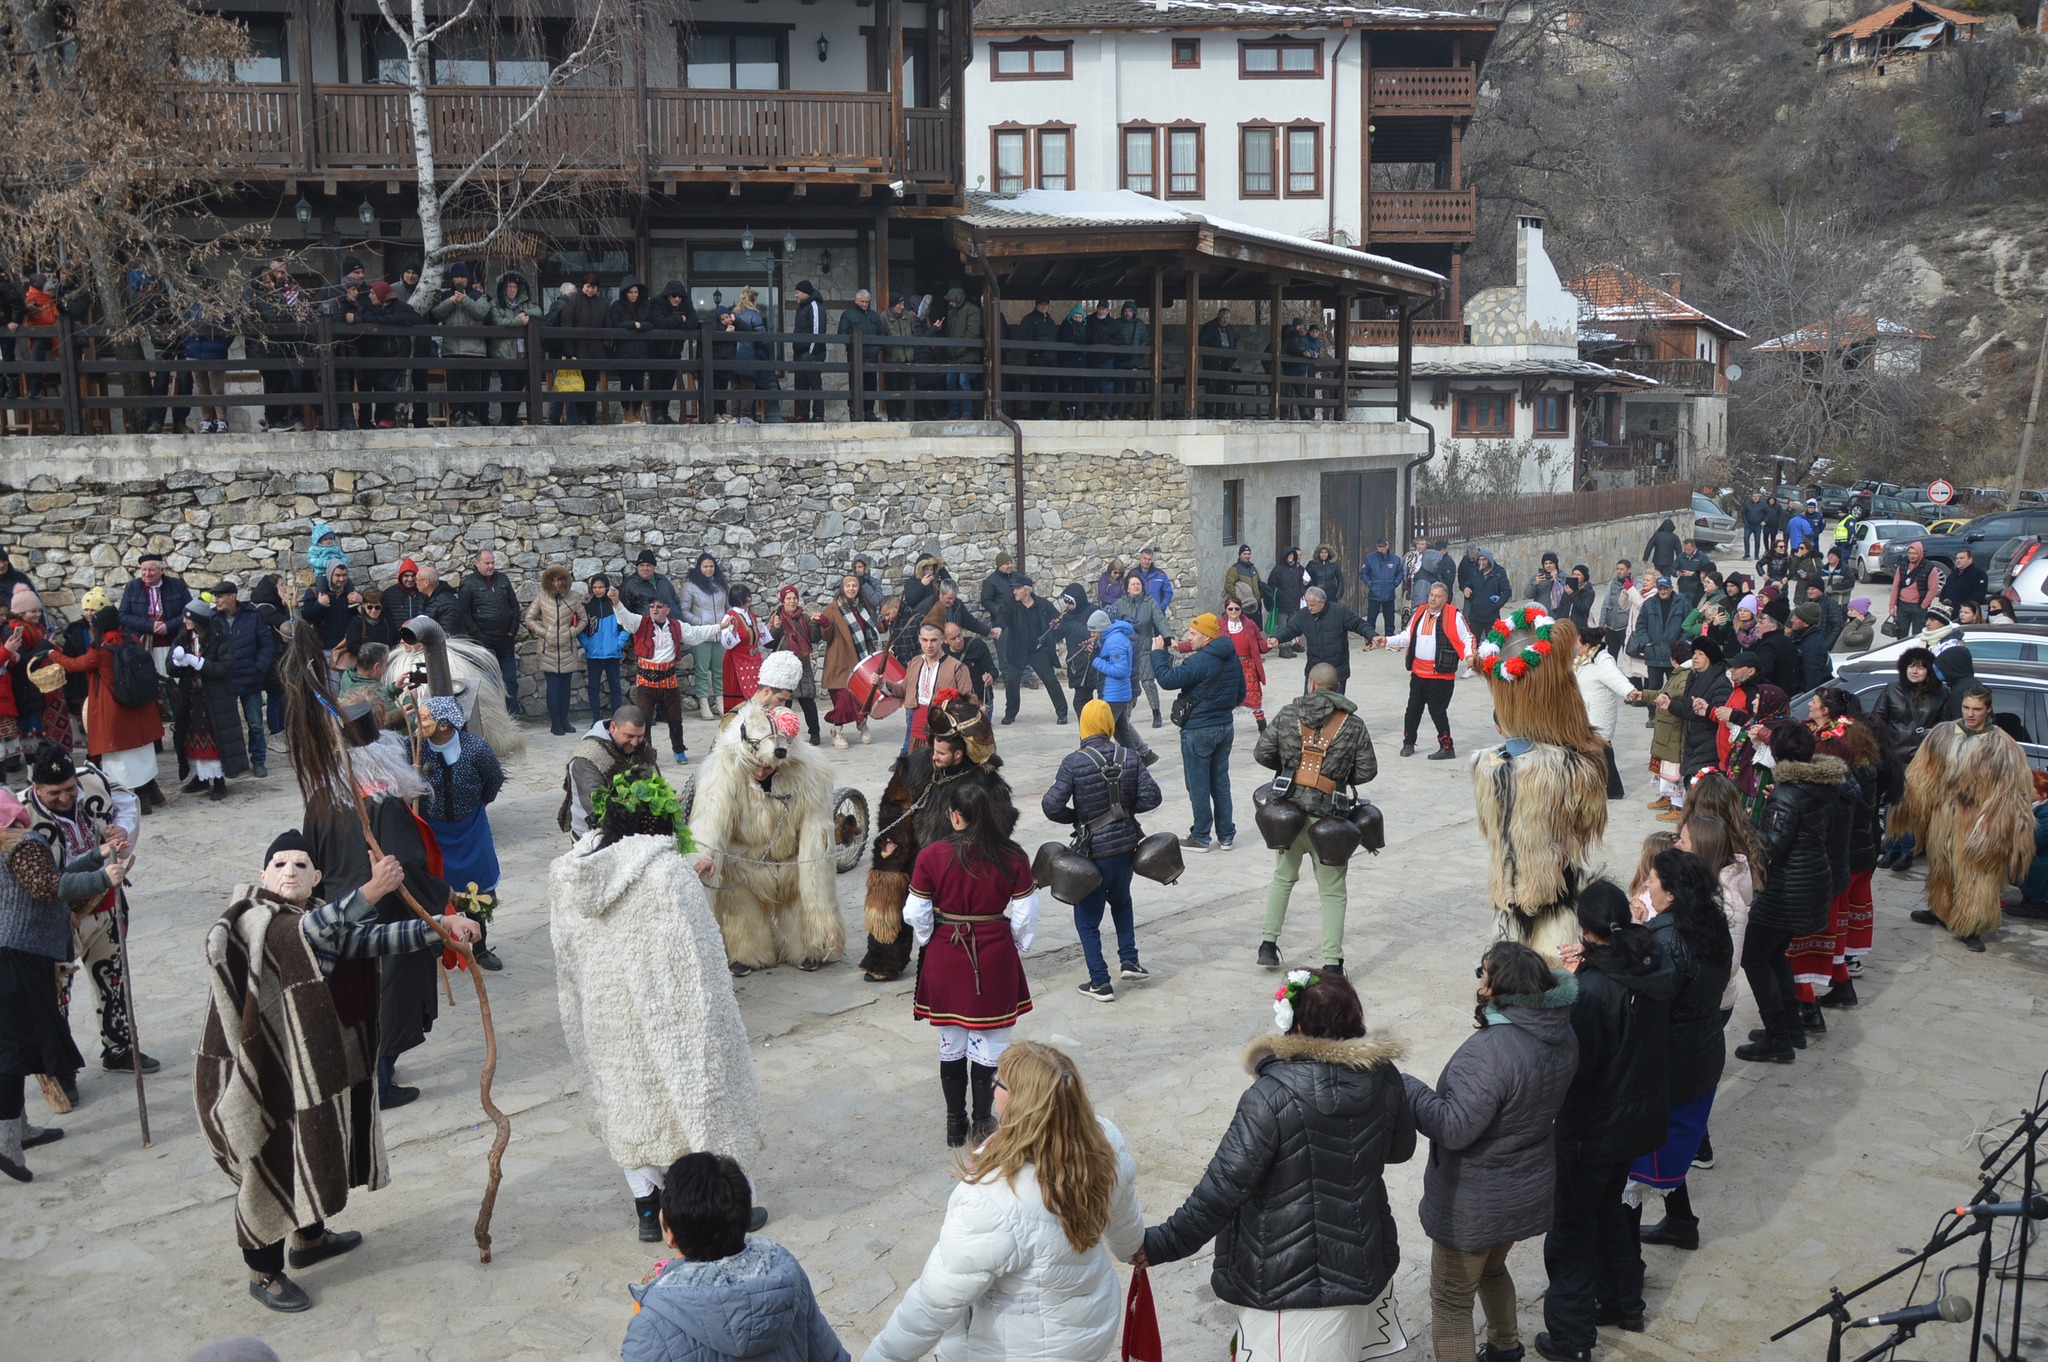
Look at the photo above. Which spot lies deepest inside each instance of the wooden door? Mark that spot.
(1358, 511)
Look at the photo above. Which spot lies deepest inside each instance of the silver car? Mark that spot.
(1712, 528)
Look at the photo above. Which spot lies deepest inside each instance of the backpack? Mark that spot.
(136, 684)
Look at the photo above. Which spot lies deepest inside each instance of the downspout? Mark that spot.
(1017, 475)
(1404, 386)
(1330, 233)
(992, 328)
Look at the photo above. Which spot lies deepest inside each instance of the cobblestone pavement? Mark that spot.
(1828, 1168)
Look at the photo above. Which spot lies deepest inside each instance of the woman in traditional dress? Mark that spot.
(53, 720)
(206, 715)
(851, 633)
(741, 636)
(120, 739)
(463, 776)
(974, 910)
(792, 630)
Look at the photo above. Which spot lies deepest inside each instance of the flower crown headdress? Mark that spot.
(1283, 999)
(1532, 618)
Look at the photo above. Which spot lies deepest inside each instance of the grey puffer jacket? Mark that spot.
(1296, 1195)
(1350, 760)
(757, 1304)
(1081, 782)
(1492, 1169)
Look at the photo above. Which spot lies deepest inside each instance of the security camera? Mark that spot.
(897, 186)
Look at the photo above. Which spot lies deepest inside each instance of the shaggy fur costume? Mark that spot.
(1542, 809)
(471, 663)
(1969, 803)
(647, 1005)
(768, 798)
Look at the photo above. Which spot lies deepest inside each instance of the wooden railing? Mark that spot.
(1424, 89)
(583, 129)
(1423, 214)
(1465, 520)
(1429, 331)
(1685, 375)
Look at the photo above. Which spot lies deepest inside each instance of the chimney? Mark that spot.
(1673, 284)
(1528, 235)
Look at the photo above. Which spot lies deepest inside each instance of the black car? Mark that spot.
(2019, 698)
(1834, 501)
(1984, 537)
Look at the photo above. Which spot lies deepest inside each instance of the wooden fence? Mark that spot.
(1464, 520)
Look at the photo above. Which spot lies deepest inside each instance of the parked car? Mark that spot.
(1887, 506)
(1834, 500)
(2014, 555)
(1926, 508)
(1983, 536)
(2033, 496)
(1872, 487)
(2019, 695)
(1950, 525)
(1989, 498)
(1866, 552)
(2027, 587)
(1986, 642)
(1712, 527)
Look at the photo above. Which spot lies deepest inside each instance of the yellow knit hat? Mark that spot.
(1206, 625)
(1097, 720)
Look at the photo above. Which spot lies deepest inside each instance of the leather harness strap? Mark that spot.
(1315, 747)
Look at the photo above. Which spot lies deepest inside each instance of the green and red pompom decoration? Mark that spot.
(1492, 660)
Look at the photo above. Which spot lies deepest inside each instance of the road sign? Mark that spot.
(1941, 491)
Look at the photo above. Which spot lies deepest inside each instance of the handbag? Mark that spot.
(1890, 627)
(568, 381)
(1141, 1322)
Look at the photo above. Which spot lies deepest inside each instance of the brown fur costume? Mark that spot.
(1969, 804)
(1541, 809)
(911, 780)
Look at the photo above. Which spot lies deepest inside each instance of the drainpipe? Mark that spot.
(1017, 474)
(1330, 233)
(1408, 475)
(1404, 387)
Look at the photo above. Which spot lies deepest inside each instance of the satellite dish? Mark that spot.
(1734, 373)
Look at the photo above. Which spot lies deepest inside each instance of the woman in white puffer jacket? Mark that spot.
(1012, 1279)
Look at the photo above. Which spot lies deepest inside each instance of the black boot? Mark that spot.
(220, 788)
(648, 1209)
(984, 1099)
(1841, 995)
(1812, 1019)
(953, 1083)
(1262, 725)
(1798, 1036)
(1445, 749)
(1774, 1046)
(1680, 1228)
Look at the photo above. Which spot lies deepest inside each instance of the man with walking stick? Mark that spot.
(77, 810)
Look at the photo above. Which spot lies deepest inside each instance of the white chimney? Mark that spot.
(1528, 243)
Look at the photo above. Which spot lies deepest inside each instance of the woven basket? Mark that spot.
(48, 678)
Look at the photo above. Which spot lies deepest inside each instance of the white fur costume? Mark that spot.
(647, 1005)
(774, 893)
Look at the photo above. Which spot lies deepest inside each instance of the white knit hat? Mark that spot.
(782, 671)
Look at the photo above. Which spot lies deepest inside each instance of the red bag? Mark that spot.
(1141, 1322)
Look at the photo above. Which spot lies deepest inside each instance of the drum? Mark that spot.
(875, 702)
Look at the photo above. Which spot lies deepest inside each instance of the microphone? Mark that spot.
(2034, 1207)
(1947, 1310)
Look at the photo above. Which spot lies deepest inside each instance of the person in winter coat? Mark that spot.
(119, 739)
(1014, 1276)
(1580, 599)
(555, 620)
(1547, 588)
(1218, 334)
(1797, 825)
(1028, 622)
(1130, 331)
(252, 645)
(329, 605)
(962, 322)
(1603, 688)
(1840, 730)
(1148, 619)
(1909, 707)
(631, 315)
(1324, 722)
(1918, 582)
(1325, 571)
(1858, 630)
(490, 615)
(1116, 667)
(762, 378)
(1663, 548)
(1692, 932)
(512, 305)
(671, 314)
(1810, 641)
(726, 1295)
(465, 305)
(603, 640)
(204, 709)
(1492, 1171)
(646, 583)
(706, 598)
(1242, 580)
(1708, 691)
(1321, 626)
(1661, 620)
(1215, 686)
(851, 632)
(1383, 575)
(1101, 788)
(584, 310)
(441, 605)
(1485, 590)
(1687, 569)
(858, 323)
(1296, 1196)
(1618, 602)
(1616, 1109)
(998, 599)
(1284, 588)
(808, 320)
(372, 623)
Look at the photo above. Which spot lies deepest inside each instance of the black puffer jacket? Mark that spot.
(1907, 711)
(1796, 825)
(1702, 731)
(1872, 784)
(1082, 783)
(1322, 636)
(1296, 1196)
(1619, 1101)
(1326, 573)
(1696, 1047)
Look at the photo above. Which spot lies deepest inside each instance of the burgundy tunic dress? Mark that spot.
(970, 973)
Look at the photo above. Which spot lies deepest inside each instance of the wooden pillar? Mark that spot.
(1343, 330)
(960, 26)
(1457, 147)
(881, 285)
(898, 134)
(641, 132)
(1158, 341)
(1404, 365)
(1273, 351)
(992, 327)
(302, 54)
(1455, 302)
(1193, 337)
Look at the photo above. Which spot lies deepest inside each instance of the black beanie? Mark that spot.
(291, 839)
(50, 765)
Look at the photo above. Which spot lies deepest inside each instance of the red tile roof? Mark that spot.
(1854, 328)
(1876, 22)
(1609, 294)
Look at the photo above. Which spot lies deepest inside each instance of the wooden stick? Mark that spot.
(128, 1001)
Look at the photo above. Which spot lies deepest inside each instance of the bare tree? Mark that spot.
(1969, 79)
(1818, 392)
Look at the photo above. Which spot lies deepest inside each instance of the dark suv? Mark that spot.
(1984, 537)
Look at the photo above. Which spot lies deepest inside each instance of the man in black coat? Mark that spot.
(1777, 656)
(672, 315)
(1030, 643)
(1810, 642)
(490, 615)
(1663, 547)
(1969, 584)
(1041, 329)
(809, 320)
(1321, 625)
(1216, 334)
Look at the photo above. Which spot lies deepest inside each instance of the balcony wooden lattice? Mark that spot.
(1424, 90)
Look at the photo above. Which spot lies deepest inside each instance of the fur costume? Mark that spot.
(1542, 795)
(1969, 803)
(912, 779)
(475, 670)
(765, 796)
(647, 1005)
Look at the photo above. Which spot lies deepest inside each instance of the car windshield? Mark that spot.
(1702, 506)
(1899, 531)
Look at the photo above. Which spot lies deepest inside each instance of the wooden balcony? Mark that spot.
(1426, 331)
(1424, 91)
(1677, 375)
(364, 130)
(1422, 215)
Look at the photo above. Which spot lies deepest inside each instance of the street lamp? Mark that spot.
(747, 242)
(303, 211)
(367, 213)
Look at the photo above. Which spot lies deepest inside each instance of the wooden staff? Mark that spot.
(128, 1003)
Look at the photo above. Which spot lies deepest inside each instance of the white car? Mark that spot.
(2022, 642)
(1866, 554)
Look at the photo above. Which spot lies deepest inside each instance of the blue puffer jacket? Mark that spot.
(1198, 674)
(1382, 574)
(603, 637)
(1116, 659)
(255, 645)
(1081, 782)
(757, 1304)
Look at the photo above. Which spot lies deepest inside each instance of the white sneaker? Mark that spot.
(838, 738)
(865, 736)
